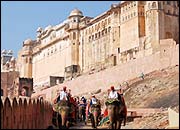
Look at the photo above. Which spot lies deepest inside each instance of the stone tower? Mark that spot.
(162, 22)
(74, 33)
(151, 24)
(25, 59)
(74, 19)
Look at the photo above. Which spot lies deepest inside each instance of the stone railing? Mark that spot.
(25, 113)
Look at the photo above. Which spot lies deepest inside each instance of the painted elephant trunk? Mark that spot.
(95, 115)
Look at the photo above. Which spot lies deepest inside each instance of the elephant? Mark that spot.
(95, 114)
(63, 110)
(82, 112)
(115, 108)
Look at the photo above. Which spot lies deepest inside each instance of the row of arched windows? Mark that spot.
(129, 16)
(99, 34)
(128, 6)
(98, 26)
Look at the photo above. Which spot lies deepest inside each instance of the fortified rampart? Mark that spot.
(25, 113)
(167, 56)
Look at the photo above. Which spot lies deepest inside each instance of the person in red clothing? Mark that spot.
(105, 109)
(87, 111)
(105, 113)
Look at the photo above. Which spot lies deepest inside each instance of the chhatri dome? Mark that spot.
(76, 12)
(27, 42)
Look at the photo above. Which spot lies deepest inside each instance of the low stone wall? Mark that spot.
(145, 111)
(25, 113)
(173, 119)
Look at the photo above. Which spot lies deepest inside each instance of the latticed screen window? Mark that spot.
(74, 35)
(118, 50)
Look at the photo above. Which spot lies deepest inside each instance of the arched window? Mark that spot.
(131, 15)
(154, 5)
(24, 91)
(168, 35)
(109, 29)
(134, 13)
(74, 35)
(30, 60)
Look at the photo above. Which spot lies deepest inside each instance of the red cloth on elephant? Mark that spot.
(123, 101)
(72, 101)
(87, 109)
(105, 113)
(125, 108)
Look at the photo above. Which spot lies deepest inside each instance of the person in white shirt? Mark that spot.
(113, 94)
(63, 94)
(93, 100)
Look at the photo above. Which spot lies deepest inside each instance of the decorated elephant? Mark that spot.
(63, 109)
(115, 108)
(95, 114)
(82, 112)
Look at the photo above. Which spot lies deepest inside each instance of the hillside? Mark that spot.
(159, 89)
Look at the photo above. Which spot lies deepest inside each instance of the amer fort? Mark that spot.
(86, 54)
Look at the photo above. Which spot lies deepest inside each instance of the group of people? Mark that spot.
(87, 104)
(65, 95)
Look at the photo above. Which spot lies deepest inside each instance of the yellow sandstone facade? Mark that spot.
(82, 44)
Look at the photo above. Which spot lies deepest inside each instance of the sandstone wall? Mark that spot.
(120, 73)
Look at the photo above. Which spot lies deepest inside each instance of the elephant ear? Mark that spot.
(56, 107)
(72, 108)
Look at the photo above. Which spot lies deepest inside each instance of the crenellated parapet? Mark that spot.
(25, 113)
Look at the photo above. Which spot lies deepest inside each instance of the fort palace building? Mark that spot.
(82, 44)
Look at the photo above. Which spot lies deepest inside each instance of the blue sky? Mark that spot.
(20, 19)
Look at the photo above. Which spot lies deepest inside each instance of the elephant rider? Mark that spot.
(120, 95)
(63, 94)
(93, 100)
(69, 93)
(82, 104)
(113, 93)
(83, 99)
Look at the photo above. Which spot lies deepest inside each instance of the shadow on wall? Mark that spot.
(25, 113)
